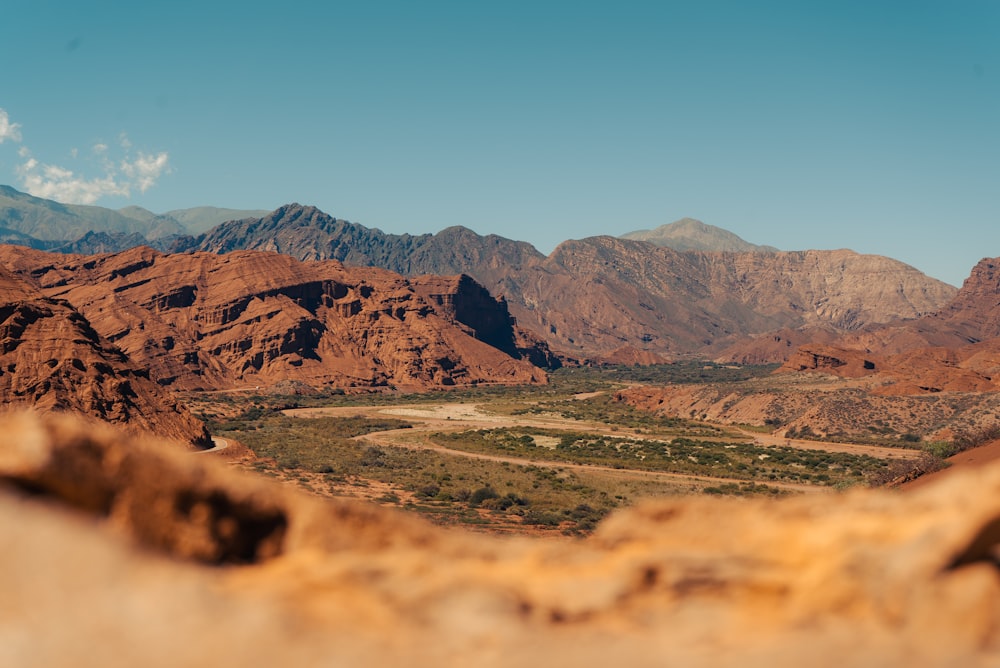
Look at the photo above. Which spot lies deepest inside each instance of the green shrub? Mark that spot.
(481, 495)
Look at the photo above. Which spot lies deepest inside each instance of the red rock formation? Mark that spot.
(828, 359)
(205, 321)
(51, 359)
(972, 368)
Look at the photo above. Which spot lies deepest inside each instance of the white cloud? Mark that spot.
(63, 185)
(145, 170)
(8, 129)
(139, 172)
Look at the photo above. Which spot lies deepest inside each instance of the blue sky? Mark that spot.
(866, 125)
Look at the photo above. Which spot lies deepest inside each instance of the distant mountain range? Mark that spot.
(44, 224)
(593, 296)
(688, 289)
(26, 220)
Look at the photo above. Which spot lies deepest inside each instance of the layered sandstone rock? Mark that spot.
(52, 359)
(109, 563)
(971, 317)
(205, 321)
(972, 368)
(849, 409)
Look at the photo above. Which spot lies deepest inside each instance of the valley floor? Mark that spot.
(526, 460)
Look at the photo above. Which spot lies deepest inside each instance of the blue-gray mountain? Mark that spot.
(45, 224)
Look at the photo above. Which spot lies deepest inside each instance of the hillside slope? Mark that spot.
(48, 220)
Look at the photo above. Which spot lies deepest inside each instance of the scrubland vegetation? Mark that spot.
(554, 458)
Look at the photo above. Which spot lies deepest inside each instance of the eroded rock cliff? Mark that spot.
(206, 321)
(52, 359)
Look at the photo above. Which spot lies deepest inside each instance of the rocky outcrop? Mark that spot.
(863, 578)
(972, 368)
(975, 310)
(846, 363)
(971, 316)
(464, 301)
(52, 359)
(778, 346)
(205, 321)
(954, 349)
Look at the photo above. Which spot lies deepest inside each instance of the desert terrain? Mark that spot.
(742, 456)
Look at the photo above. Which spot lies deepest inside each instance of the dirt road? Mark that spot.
(443, 417)
(879, 452)
(218, 444)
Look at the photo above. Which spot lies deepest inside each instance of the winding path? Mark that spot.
(443, 417)
(218, 444)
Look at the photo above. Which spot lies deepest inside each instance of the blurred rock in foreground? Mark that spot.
(123, 553)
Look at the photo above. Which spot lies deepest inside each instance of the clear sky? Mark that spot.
(872, 125)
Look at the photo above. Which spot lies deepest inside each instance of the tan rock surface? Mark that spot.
(598, 294)
(971, 316)
(108, 563)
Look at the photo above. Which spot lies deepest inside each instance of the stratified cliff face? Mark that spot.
(974, 313)
(466, 302)
(971, 316)
(864, 578)
(971, 368)
(595, 296)
(205, 321)
(51, 359)
(606, 292)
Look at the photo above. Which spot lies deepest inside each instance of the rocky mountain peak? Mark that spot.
(975, 310)
(689, 234)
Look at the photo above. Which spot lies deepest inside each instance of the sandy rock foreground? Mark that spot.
(117, 552)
